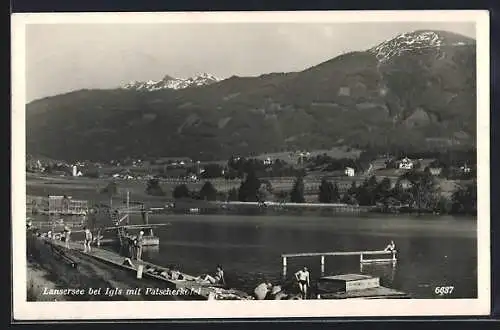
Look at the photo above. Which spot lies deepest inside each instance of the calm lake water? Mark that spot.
(432, 252)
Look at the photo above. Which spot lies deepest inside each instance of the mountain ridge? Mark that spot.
(426, 94)
(169, 82)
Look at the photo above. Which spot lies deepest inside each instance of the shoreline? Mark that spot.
(37, 280)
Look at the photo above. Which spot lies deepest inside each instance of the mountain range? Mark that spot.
(415, 91)
(169, 82)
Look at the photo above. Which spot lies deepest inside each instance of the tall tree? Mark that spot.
(153, 188)
(181, 191)
(383, 190)
(297, 193)
(464, 199)
(423, 189)
(325, 192)
(208, 192)
(232, 194)
(335, 193)
(110, 191)
(249, 189)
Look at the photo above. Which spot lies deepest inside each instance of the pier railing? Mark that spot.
(362, 257)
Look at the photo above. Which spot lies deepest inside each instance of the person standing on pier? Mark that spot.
(302, 277)
(132, 246)
(139, 243)
(88, 240)
(67, 233)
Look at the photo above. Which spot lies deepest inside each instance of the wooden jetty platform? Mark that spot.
(355, 286)
(194, 288)
(361, 254)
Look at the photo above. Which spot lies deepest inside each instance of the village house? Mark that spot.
(268, 161)
(378, 164)
(406, 164)
(349, 171)
(465, 168)
(76, 171)
(435, 171)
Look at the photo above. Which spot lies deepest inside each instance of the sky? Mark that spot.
(64, 57)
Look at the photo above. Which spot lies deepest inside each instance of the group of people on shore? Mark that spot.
(267, 291)
(65, 236)
(133, 245)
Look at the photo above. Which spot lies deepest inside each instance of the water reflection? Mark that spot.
(386, 271)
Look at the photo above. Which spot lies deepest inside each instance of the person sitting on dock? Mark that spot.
(391, 247)
(277, 293)
(88, 240)
(302, 277)
(217, 279)
(262, 290)
(67, 233)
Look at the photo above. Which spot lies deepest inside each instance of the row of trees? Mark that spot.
(413, 190)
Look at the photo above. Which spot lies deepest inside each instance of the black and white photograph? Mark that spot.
(198, 165)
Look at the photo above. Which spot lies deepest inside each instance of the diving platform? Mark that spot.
(365, 257)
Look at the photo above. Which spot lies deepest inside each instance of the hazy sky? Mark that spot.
(65, 57)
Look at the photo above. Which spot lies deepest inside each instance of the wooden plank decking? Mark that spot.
(372, 293)
(189, 283)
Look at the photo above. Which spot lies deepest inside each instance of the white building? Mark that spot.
(75, 171)
(435, 170)
(349, 171)
(465, 168)
(406, 164)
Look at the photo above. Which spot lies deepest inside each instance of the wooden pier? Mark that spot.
(361, 254)
(193, 288)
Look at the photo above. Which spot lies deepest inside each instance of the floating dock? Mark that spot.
(355, 286)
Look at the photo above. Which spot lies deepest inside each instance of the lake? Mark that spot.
(432, 251)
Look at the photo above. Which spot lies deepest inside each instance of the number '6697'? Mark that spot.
(443, 290)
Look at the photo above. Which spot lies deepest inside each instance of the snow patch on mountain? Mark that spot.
(411, 41)
(169, 82)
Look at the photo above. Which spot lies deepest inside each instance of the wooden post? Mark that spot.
(284, 266)
(139, 271)
(394, 256)
(361, 258)
(322, 265)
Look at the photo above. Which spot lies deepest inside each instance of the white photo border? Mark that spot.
(23, 310)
